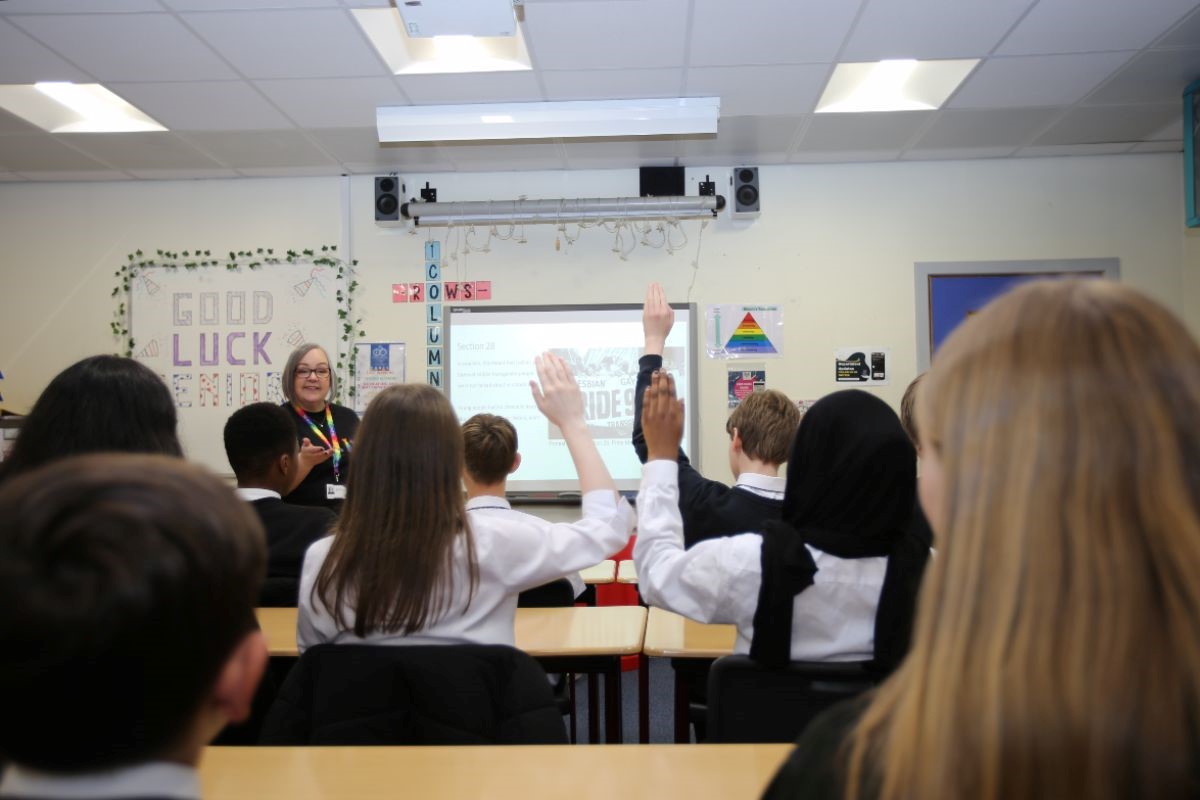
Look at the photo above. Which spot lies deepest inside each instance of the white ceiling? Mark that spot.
(289, 87)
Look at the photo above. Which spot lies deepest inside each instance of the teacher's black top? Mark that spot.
(312, 491)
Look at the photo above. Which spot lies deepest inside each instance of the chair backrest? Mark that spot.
(554, 594)
(748, 702)
(279, 593)
(342, 694)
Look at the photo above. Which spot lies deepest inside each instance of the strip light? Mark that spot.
(532, 212)
(568, 119)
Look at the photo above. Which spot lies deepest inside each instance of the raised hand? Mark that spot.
(657, 319)
(558, 396)
(662, 418)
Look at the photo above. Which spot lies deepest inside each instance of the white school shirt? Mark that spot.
(513, 555)
(493, 506)
(155, 779)
(771, 487)
(717, 580)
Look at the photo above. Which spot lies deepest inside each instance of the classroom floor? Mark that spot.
(662, 704)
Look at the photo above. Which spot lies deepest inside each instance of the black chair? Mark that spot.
(414, 695)
(748, 702)
(279, 593)
(556, 594)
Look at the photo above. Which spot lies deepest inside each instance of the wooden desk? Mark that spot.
(590, 640)
(691, 646)
(604, 572)
(626, 572)
(651, 772)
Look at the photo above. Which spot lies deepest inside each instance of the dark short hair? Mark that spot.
(490, 447)
(256, 436)
(766, 421)
(100, 404)
(126, 581)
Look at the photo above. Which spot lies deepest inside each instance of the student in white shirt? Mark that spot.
(490, 455)
(127, 630)
(835, 579)
(407, 564)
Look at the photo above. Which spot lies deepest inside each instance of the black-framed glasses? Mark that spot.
(304, 372)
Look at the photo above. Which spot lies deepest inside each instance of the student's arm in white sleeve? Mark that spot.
(314, 624)
(522, 555)
(695, 582)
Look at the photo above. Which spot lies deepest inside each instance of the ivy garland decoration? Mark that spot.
(238, 260)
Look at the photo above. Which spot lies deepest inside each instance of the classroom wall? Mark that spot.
(835, 245)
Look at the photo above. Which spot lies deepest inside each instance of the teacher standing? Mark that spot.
(325, 429)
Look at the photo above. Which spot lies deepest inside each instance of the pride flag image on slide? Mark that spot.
(749, 338)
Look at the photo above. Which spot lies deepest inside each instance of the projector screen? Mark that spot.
(490, 352)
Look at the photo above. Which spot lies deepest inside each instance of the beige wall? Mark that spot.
(835, 245)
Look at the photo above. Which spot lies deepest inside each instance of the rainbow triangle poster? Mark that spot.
(743, 331)
(749, 337)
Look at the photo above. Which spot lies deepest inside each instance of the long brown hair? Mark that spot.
(1057, 646)
(392, 558)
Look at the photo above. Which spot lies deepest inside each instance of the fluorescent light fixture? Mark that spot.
(533, 212)
(74, 108)
(570, 119)
(896, 85)
(412, 55)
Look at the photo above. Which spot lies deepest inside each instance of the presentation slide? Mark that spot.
(490, 352)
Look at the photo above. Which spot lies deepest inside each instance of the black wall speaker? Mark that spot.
(746, 198)
(387, 199)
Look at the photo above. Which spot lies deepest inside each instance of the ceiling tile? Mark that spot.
(75, 177)
(361, 147)
(971, 128)
(10, 176)
(843, 156)
(302, 43)
(1157, 76)
(204, 105)
(181, 174)
(743, 140)
(1107, 124)
(1158, 147)
(1185, 34)
(956, 153)
(129, 47)
(624, 153)
(1035, 80)
(1073, 150)
(604, 34)
(1171, 132)
(876, 131)
(42, 152)
(78, 6)
(1080, 26)
(474, 87)
(747, 91)
(768, 31)
(501, 158)
(333, 102)
(231, 5)
(930, 29)
(612, 84)
(240, 149)
(140, 150)
(22, 60)
(291, 172)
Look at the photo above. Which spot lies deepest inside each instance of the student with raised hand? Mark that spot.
(760, 431)
(127, 629)
(260, 442)
(490, 456)
(834, 579)
(408, 565)
(1057, 643)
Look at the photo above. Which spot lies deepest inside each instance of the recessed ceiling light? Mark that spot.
(411, 55)
(61, 107)
(894, 85)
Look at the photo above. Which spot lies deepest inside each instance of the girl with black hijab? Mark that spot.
(835, 579)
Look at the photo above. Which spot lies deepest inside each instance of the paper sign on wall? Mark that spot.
(862, 365)
(749, 331)
(741, 382)
(377, 365)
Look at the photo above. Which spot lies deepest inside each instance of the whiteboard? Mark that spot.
(220, 338)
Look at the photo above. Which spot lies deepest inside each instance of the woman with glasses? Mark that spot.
(325, 429)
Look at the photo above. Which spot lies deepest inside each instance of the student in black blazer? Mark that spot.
(760, 430)
(260, 442)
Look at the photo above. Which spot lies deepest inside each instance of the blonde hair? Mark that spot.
(1057, 645)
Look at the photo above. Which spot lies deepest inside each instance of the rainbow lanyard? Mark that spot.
(333, 442)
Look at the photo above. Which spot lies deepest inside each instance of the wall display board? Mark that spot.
(220, 338)
(377, 365)
(490, 352)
